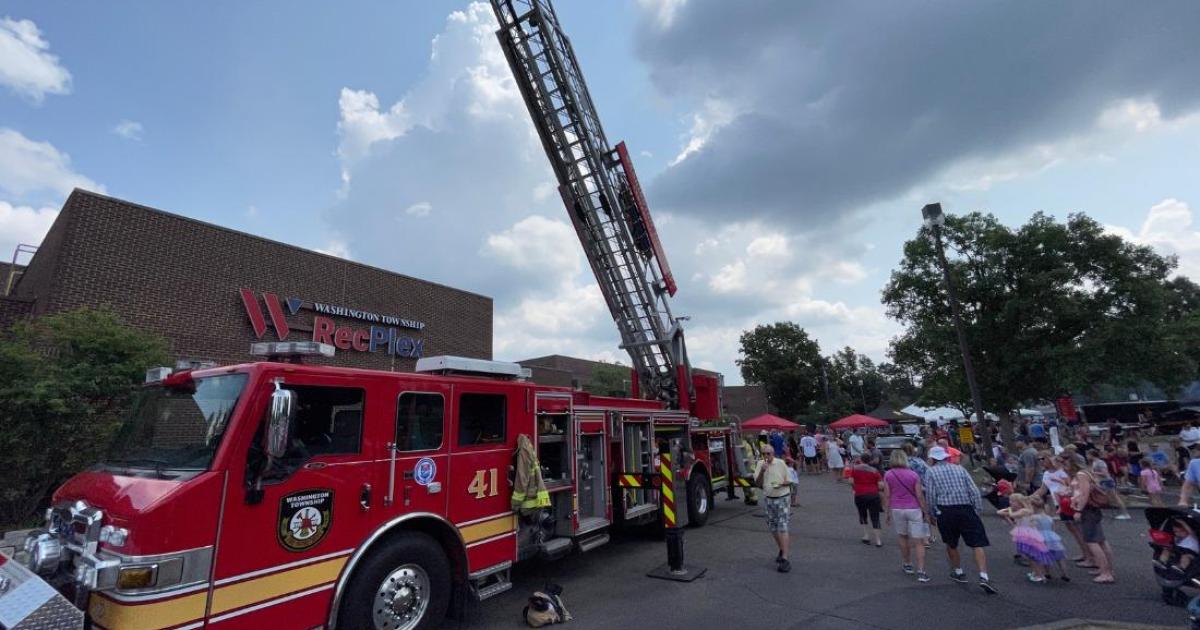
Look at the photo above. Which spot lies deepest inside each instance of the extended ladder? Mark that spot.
(602, 195)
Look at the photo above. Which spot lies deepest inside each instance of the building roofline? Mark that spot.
(88, 193)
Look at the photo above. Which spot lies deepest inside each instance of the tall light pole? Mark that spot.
(862, 392)
(934, 220)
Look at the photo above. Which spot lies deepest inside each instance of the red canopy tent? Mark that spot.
(858, 421)
(768, 421)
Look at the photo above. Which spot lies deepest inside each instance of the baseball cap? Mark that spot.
(938, 453)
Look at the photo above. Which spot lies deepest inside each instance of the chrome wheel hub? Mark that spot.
(401, 598)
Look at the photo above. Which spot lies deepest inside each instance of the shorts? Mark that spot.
(1108, 484)
(961, 521)
(910, 522)
(778, 512)
(811, 460)
(1089, 521)
(868, 505)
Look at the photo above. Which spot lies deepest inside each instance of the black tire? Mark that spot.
(699, 499)
(1174, 596)
(357, 610)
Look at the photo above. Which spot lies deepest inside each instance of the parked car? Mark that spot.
(888, 443)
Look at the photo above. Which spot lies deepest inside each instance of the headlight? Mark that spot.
(129, 578)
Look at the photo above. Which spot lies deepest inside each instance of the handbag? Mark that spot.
(1097, 497)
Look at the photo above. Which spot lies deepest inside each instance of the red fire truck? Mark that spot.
(281, 495)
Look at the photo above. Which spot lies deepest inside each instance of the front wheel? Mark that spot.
(699, 499)
(402, 584)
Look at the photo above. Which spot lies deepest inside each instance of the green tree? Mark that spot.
(65, 381)
(609, 379)
(1048, 308)
(786, 362)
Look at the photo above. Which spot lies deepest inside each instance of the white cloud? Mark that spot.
(27, 166)
(26, 65)
(1136, 114)
(336, 248)
(23, 224)
(363, 124)
(543, 191)
(129, 129)
(252, 211)
(1123, 122)
(730, 278)
(537, 244)
(1169, 228)
(419, 209)
(769, 246)
(663, 10)
(711, 117)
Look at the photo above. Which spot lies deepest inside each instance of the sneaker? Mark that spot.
(987, 587)
(922, 576)
(1036, 579)
(784, 566)
(907, 568)
(1122, 517)
(958, 576)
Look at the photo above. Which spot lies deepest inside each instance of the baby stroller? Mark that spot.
(1000, 487)
(1173, 532)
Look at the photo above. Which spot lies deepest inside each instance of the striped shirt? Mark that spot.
(951, 484)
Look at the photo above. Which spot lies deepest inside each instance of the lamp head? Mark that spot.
(932, 213)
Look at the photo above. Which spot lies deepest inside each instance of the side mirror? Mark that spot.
(280, 421)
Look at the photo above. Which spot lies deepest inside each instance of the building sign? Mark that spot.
(385, 336)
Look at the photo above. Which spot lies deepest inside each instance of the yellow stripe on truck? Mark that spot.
(487, 529)
(257, 590)
(165, 614)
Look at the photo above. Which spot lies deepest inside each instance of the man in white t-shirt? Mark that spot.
(855, 445)
(808, 445)
(1190, 435)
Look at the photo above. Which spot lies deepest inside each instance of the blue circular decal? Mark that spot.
(425, 471)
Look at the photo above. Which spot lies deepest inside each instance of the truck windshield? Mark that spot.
(175, 429)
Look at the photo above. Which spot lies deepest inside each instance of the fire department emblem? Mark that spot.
(304, 518)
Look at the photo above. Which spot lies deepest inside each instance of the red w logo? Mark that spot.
(254, 311)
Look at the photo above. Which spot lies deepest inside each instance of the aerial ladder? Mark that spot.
(603, 198)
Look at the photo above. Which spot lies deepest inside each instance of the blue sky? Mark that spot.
(786, 149)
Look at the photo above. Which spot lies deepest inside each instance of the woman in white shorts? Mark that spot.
(904, 504)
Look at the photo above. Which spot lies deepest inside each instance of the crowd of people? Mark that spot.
(926, 495)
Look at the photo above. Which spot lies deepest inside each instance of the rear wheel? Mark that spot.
(402, 584)
(699, 498)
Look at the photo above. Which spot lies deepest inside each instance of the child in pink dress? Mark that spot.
(1151, 482)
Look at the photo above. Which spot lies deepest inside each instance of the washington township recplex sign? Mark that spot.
(384, 334)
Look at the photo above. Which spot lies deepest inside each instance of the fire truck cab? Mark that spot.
(280, 495)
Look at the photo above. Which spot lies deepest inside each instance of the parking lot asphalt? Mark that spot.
(835, 582)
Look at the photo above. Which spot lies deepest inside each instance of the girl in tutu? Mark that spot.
(1034, 537)
(1056, 551)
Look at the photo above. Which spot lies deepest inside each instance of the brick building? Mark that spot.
(212, 291)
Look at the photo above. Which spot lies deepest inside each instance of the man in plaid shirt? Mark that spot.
(954, 500)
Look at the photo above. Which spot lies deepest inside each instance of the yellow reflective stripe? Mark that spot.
(164, 614)
(668, 492)
(241, 594)
(494, 527)
(670, 514)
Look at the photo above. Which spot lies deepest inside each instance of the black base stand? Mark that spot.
(686, 573)
(675, 570)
